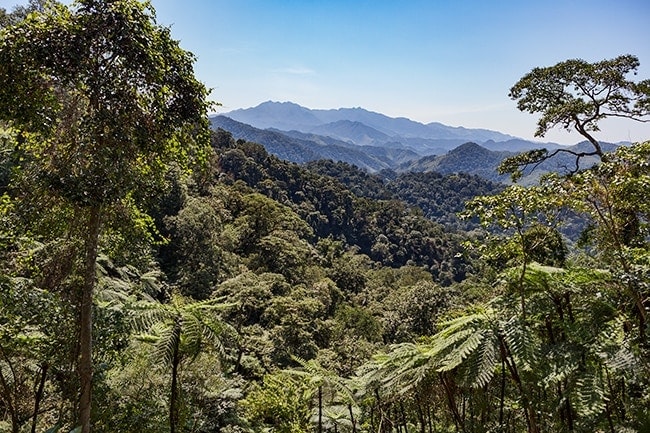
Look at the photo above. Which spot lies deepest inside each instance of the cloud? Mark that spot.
(295, 70)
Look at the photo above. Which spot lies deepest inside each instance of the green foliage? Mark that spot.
(353, 311)
(525, 219)
(282, 403)
(180, 328)
(180, 332)
(126, 96)
(101, 99)
(358, 322)
(577, 94)
(35, 346)
(442, 197)
(334, 212)
(200, 251)
(412, 311)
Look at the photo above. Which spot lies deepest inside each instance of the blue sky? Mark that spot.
(445, 61)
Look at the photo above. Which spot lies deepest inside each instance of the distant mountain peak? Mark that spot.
(288, 116)
(469, 147)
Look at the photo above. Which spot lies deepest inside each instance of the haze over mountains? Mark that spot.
(373, 141)
(363, 127)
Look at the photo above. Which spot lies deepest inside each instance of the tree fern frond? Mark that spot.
(623, 360)
(168, 343)
(320, 376)
(613, 347)
(592, 398)
(521, 341)
(483, 362)
(402, 368)
(147, 338)
(451, 326)
(146, 314)
(192, 335)
(463, 351)
(560, 364)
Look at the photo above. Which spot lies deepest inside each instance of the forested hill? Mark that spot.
(466, 158)
(160, 276)
(439, 196)
(385, 228)
(477, 160)
(471, 158)
(299, 147)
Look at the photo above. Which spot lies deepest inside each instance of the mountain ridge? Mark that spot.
(301, 148)
(287, 116)
(358, 137)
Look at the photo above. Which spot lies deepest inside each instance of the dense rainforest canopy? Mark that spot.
(157, 276)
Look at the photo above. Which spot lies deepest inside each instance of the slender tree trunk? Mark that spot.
(39, 395)
(529, 411)
(6, 394)
(86, 318)
(173, 399)
(354, 423)
(404, 419)
(418, 405)
(502, 395)
(451, 402)
(320, 409)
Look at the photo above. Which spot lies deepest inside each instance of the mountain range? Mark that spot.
(366, 128)
(374, 142)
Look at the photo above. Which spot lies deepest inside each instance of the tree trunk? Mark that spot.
(448, 386)
(320, 409)
(354, 424)
(6, 394)
(173, 399)
(86, 318)
(39, 395)
(529, 411)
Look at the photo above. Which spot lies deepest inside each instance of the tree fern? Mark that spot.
(462, 351)
(483, 361)
(469, 341)
(179, 331)
(319, 376)
(399, 370)
(521, 342)
(591, 394)
(189, 325)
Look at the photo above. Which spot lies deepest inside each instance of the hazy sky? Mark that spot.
(447, 61)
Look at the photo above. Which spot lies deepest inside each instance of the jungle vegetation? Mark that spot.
(159, 276)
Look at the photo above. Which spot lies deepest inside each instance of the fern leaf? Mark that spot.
(168, 343)
(483, 362)
(590, 391)
(521, 342)
(464, 350)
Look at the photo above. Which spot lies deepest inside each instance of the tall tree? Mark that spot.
(103, 98)
(577, 95)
